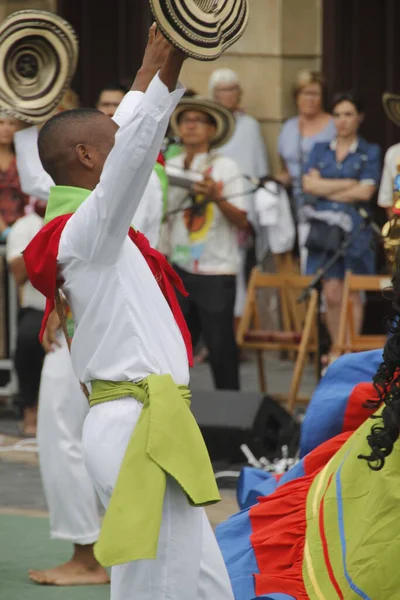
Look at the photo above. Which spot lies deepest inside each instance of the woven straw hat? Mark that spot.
(391, 104)
(38, 58)
(202, 29)
(225, 122)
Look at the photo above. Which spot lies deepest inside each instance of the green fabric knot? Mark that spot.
(165, 441)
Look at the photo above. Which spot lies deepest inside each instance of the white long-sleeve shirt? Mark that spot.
(37, 183)
(125, 329)
(33, 178)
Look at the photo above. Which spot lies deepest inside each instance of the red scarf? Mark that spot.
(41, 264)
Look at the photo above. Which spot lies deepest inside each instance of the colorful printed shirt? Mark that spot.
(200, 239)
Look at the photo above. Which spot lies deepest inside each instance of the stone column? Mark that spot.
(283, 36)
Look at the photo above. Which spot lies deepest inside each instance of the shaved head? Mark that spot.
(73, 146)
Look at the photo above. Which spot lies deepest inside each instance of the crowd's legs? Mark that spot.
(209, 311)
(29, 356)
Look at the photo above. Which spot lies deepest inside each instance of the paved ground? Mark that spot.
(23, 518)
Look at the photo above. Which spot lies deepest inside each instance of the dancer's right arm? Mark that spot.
(98, 229)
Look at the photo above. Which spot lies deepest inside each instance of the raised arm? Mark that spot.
(33, 178)
(98, 229)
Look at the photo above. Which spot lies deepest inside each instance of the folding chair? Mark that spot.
(301, 339)
(285, 264)
(348, 339)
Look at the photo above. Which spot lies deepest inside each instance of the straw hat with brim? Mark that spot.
(38, 58)
(202, 29)
(224, 120)
(391, 104)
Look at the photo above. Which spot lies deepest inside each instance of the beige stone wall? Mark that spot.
(9, 6)
(283, 36)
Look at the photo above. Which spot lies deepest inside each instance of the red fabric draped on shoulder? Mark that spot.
(41, 263)
(40, 258)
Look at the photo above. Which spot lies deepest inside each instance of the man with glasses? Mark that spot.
(202, 231)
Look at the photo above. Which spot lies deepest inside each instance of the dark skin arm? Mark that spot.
(213, 191)
(50, 335)
(18, 269)
(161, 57)
(233, 214)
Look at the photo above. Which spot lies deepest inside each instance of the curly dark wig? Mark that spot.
(385, 432)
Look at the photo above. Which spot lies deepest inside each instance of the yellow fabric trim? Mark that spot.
(318, 491)
(311, 574)
(166, 441)
(316, 579)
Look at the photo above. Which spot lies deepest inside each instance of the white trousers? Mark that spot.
(189, 565)
(69, 491)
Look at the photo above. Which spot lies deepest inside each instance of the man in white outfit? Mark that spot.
(131, 344)
(69, 491)
(247, 148)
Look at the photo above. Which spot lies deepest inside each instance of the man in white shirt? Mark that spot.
(62, 405)
(202, 232)
(391, 170)
(247, 148)
(131, 344)
(29, 353)
(62, 409)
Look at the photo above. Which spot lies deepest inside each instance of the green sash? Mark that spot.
(166, 441)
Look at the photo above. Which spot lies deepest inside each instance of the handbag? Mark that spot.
(323, 237)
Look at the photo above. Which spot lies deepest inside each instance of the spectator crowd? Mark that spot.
(215, 210)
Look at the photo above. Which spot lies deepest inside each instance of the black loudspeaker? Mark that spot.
(228, 419)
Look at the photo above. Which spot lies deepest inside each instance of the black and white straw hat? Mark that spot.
(38, 58)
(224, 120)
(202, 29)
(391, 104)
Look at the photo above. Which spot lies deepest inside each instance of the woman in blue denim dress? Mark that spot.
(341, 177)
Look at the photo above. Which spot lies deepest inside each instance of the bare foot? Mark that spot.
(71, 573)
